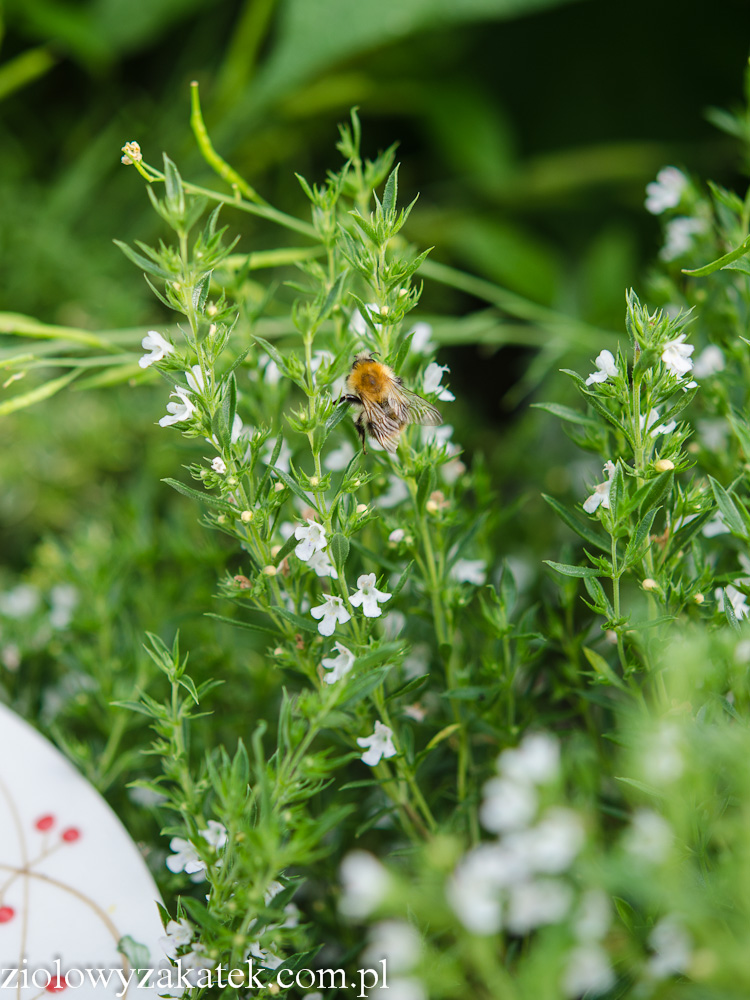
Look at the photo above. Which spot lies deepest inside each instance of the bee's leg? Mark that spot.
(359, 423)
(348, 399)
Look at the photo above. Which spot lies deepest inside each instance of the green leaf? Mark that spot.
(173, 187)
(581, 528)
(285, 549)
(721, 262)
(636, 543)
(295, 488)
(206, 498)
(626, 913)
(303, 624)
(36, 395)
(425, 486)
(364, 685)
(729, 612)
(728, 509)
(603, 669)
(143, 262)
(410, 687)
(443, 735)
(337, 416)
(240, 623)
(390, 195)
(338, 548)
(616, 493)
(654, 491)
(567, 413)
(568, 570)
(138, 955)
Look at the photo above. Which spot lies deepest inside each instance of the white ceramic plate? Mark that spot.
(72, 882)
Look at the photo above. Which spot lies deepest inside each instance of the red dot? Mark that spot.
(71, 834)
(56, 984)
(45, 822)
(6, 913)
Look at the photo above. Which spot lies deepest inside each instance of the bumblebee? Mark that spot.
(385, 406)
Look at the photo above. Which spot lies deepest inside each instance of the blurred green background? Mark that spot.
(529, 127)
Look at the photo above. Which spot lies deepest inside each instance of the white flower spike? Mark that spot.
(368, 596)
(329, 613)
(606, 368)
(600, 496)
(339, 666)
(311, 539)
(158, 347)
(433, 376)
(178, 412)
(379, 745)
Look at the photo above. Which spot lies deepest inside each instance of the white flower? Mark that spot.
(663, 759)
(678, 237)
(552, 845)
(594, 916)
(339, 665)
(533, 904)
(666, 191)
(736, 599)
(395, 941)
(536, 760)
(63, 598)
(396, 493)
(676, 356)
(709, 362)
(219, 465)
(338, 459)
(368, 596)
(157, 345)
(179, 932)
(177, 412)
(472, 890)
(588, 971)
(195, 379)
(321, 563)
(397, 536)
(606, 366)
(672, 945)
(420, 341)
(600, 496)
(649, 837)
(364, 883)
(216, 835)
(379, 745)
(647, 421)
(331, 611)
(469, 571)
(195, 961)
(20, 602)
(311, 539)
(266, 958)
(508, 805)
(185, 859)
(433, 376)
(132, 153)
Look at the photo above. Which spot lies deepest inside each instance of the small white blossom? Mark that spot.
(420, 341)
(710, 361)
(666, 191)
(311, 539)
(663, 759)
(588, 971)
(219, 465)
(395, 941)
(321, 563)
(379, 745)
(594, 916)
(63, 598)
(215, 836)
(20, 602)
(132, 152)
(553, 844)
(364, 883)
(179, 932)
(649, 837)
(180, 411)
(535, 760)
(185, 859)
(433, 376)
(267, 958)
(397, 536)
(606, 368)
(331, 611)
(195, 379)
(340, 665)
(195, 961)
(473, 889)
(676, 356)
(158, 347)
(508, 805)
(470, 571)
(672, 947)
(600, 496)
(737, 600)
(647, 421)
(338, 459)
(534, 904)
(368, 596)
(678, 237)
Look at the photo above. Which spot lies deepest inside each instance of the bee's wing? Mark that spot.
(413, 408)
(383, 425)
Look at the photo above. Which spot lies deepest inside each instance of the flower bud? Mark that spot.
(663, 465)
(699, 598)
(270, 570)
(314, 481)
(246, 516)
(649, 584)
(361, 508)
(278, 487)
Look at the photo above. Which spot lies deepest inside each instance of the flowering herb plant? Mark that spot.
(505, 780)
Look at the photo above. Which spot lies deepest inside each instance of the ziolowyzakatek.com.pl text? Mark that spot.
(174, 980)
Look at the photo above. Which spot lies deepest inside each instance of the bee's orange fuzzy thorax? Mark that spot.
(369, 377)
